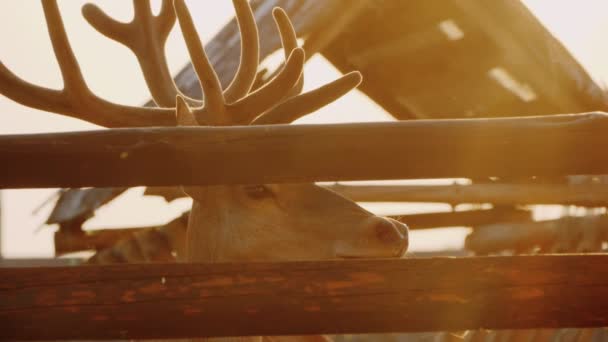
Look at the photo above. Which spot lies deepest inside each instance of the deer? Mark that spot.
(227, 223)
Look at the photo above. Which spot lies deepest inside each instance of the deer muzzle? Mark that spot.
(378, 237)
(393, 234)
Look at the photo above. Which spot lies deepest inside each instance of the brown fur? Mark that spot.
(291, 222)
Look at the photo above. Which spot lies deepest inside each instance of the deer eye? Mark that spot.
(258, 191)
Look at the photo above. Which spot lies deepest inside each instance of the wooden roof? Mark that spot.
(460, 58)
(430, 59)
(419, 59)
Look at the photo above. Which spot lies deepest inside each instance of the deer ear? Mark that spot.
(183, 113)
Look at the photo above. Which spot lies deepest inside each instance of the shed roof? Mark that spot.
(458, 58)
(430, 59)
(420, 59)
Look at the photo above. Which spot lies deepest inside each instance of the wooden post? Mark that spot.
(537, 146)
(357, 296)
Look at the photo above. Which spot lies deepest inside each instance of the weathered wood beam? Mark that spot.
(70, 242)
(537, 146)
(520, 36)
(466, 218)
(39, 262)
(500, 194)
(591, 195)
(187, 300)
(563, 235)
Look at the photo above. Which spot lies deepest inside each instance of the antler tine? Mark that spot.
(301, 105)
(183, 113)
(216, 110)
(249, 109)
(212, 89)
(289, 41)
(250, 53)
(104, 24)
(165, 20)
(76, 100)
(30, 94)
(271, 94)
(307, 103)
(146, 36)
(70, 70)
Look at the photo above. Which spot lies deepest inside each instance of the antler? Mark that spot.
(298, 105)
(146, 35)
(272, 103)
(75, 99)
(304, 104)
(217, 110)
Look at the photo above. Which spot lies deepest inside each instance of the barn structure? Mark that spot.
(450, 59)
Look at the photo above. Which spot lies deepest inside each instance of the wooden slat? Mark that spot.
(187, 300)
(513, 39)
(467, 218)
(507, 194)
(38, 262)
(528, 47)
(582, 234)
(537, 146)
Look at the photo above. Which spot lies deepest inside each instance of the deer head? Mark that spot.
(248, 222)
(272, 222)
(286, 222)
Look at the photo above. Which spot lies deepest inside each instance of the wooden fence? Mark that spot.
(508, 147)
(186, 300)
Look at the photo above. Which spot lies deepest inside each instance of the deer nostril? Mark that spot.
(405, 239)
(401, 227)
(387, 232)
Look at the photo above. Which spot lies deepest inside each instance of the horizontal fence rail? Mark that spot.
(508, 147)
(504, 194)
(187, 300)
(591, 194)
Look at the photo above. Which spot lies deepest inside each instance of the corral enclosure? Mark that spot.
(525, 171)
(19, 222)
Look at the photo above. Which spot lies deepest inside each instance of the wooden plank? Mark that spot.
(98, 239)
(188, 300)
(515, 41)
(528, 47)
(77, 205)
(467, 218)
(38, 262)
(537, 146)
(582, 234)
(507, 194)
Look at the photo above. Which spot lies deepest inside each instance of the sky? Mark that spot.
(112, 73)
